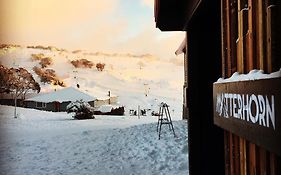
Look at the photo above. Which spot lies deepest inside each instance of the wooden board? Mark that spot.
(252, 111)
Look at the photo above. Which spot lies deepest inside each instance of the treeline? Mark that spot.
(46, 75)
(43, 60)
(84, 63)
(7, 46)
(51, 48)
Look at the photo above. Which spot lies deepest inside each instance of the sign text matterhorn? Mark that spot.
(256, 109)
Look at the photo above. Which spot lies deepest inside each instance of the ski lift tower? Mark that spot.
(146, 89)
(164, 108)
(76, 78)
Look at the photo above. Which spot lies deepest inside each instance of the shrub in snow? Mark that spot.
(100, 66)
(82, 110)
(82, 63)
(45, 62)
(48, 76)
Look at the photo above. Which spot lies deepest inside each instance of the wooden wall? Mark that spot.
(205, 140)
(251, 37)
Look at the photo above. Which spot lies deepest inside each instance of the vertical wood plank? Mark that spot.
(231, 154)
(250, 36)
(240, 57)
(243, 160)
(260, 44)
(252, 159)
(236, 155)
(240, 68)
(268, 38)
(228, 37)
(234, 35)
(249, 49)
(226, 152)
(272, 160)
(223, 39)
(262, 161)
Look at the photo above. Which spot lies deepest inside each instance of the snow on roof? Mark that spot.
(252, 75)
(66, 94)
(107, 108)
(100, 94)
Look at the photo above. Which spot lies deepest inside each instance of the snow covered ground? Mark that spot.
(41, 142)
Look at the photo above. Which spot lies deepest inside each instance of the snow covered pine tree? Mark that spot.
(82, 110)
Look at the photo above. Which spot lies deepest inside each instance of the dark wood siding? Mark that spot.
(206, 151)
(257, 23)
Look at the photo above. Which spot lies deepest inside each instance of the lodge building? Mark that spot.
(224, 37)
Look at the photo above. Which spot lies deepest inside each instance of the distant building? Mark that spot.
(105, 101)
(58, 100)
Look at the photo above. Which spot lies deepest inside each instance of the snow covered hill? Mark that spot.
(128, 76)
(41, 142)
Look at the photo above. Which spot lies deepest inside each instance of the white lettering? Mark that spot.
(253, 98)
(235, 115)
(239, 98)
(244, 106)
(270, 112)
(262, 110)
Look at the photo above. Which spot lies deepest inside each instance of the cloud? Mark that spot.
(153, 42)
(92, 25)
(33, 20)
(149, 3)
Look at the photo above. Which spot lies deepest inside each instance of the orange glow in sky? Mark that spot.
(94, 25)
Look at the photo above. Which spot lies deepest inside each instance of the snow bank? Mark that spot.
(105, 108)
(252, 75)
(51, 143)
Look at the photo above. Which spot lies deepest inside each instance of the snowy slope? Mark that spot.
(125, 75)
(41, 142)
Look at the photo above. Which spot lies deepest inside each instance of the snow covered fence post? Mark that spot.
(138, 111)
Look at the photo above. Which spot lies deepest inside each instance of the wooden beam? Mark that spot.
(243, 157)
(223, 39)
(240, 54)
(228, 38)
(260, 30)
(252, 159)
(268, 36)
(262, 161)
(227, 152)
(250, 59)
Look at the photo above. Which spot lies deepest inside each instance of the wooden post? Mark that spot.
(228, 37)
(268, 38)
(260, 44)
(138, 111)
(250, 49)
(240, 54)
(15, 112)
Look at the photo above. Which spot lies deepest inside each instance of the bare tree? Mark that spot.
(100, 66)
(17, 82)
(45, 62)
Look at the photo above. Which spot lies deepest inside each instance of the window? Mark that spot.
(40, 105)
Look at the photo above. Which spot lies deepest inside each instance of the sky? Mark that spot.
(123, 26)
